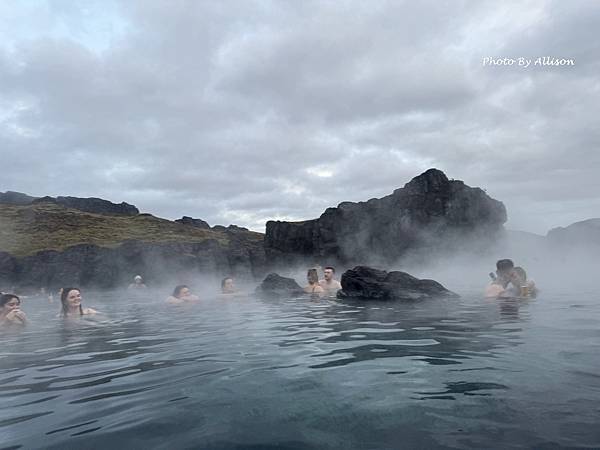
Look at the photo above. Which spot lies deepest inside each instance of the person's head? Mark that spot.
(227, 286)
(8, 302)
(181, 291)
(504, 267)
(518, 276)
(137, 279)
(70, 298)
(312, 276)
(328, 273)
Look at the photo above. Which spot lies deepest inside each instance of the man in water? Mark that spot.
(329, 284)
(138, 283)
(497, 287)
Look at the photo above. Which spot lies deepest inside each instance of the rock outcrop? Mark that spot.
(430, 213)
(366, 283)
(275, 285)
(15, 198)
(198, 223)
(92, 205)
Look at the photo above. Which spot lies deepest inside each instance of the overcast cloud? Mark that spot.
(241, 112)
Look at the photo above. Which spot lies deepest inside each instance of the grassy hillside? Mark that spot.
(25, 230)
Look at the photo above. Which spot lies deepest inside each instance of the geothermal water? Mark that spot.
(292, 374)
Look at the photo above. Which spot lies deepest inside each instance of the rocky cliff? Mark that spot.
(47, 244)
(430, 213)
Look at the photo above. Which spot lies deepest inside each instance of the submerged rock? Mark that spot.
(367, 283)
(276, 285)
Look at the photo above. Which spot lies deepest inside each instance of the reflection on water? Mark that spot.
(253, 373)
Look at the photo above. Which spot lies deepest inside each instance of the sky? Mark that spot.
(247, 111)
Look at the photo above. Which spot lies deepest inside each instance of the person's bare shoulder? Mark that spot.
(87, 311)
(493, 290)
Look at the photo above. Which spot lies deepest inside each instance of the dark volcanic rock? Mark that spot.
(8, 268)
(371, 284)
(428, 213)
(92, 205)
(16, 198)
(236, 228)
(88, 265)
(278, 286)
(198, 223)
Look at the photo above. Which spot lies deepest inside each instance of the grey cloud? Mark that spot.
(246, 111)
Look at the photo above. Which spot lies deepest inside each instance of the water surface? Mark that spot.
(294, 374)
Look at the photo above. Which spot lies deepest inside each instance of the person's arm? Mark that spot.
(173, 300)
(191, 298)
(87, 311)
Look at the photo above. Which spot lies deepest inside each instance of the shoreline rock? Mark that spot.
(366, 283)
(274, 285)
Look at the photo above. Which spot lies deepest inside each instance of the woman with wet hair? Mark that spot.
(10, 311)
(182, 294)
(313, 287)
(70, 299)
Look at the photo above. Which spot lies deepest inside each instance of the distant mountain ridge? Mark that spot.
(585, 232)
(90, 204)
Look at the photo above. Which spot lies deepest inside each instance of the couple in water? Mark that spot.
(328, 286)
(182, 293)
(510, 282)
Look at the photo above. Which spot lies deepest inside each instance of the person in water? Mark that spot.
(510, 281)
(138, 283)
(329, 284)
(521, 286)
(228, 286)
(70, 299)
(181, 295)
(10, 311)
(500, 281)
(313, 287)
